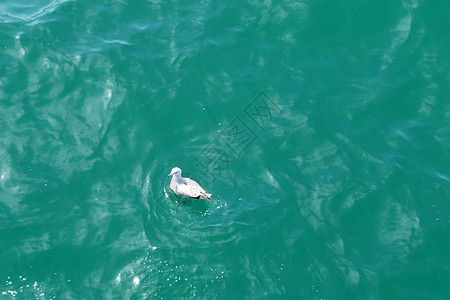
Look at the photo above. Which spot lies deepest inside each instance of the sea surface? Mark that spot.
(322, 129)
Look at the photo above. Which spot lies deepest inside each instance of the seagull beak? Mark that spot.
(169, 175)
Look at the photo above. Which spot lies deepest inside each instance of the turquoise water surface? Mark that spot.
(320, 127)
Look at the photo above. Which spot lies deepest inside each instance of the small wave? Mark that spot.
(28, 11)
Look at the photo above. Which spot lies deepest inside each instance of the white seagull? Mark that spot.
(186, 187)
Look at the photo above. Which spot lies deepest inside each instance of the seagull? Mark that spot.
(186, 187)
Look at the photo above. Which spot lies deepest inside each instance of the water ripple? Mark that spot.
(30, 12)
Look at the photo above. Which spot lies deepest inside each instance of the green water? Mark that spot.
(320, 127)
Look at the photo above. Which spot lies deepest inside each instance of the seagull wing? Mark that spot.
(189, 191)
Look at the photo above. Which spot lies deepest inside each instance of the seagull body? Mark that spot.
(185, 187)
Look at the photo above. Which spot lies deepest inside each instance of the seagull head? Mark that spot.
(175, 171)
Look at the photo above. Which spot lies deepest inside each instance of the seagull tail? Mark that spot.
(205, 196)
